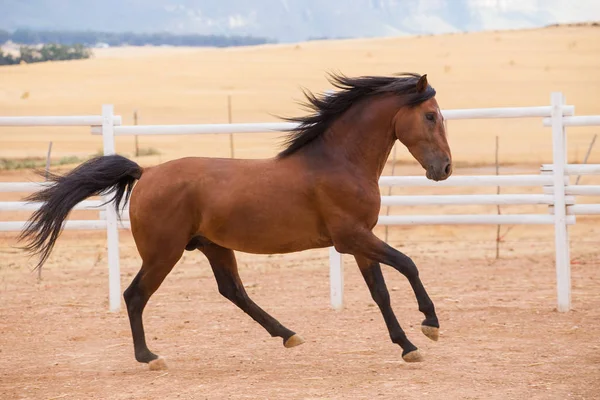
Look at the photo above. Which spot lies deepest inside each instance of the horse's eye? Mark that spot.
(430, 117)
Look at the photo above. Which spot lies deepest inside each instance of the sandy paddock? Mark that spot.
(501, 337)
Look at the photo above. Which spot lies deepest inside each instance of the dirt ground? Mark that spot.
(501, 337)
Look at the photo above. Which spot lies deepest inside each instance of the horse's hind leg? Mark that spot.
(145, 283)
(224, 266)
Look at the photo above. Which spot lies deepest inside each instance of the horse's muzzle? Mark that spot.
(440, 171)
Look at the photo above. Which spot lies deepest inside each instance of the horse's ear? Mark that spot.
(422, 84)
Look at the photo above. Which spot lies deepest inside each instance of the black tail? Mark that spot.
(98, 176)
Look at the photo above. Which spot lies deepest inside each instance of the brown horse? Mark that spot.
(322, 190)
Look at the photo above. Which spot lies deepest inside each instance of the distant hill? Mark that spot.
(293, 20)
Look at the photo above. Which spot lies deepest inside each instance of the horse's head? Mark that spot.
(420, 127)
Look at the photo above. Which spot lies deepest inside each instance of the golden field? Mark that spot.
(191, 85)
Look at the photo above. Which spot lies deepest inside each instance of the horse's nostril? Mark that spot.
(448, 169)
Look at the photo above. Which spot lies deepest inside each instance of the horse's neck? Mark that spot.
(365, 134)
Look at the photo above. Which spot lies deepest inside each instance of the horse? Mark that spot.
(321, 190)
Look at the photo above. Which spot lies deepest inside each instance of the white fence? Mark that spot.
(557, 193)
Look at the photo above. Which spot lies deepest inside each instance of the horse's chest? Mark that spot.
(364, 204)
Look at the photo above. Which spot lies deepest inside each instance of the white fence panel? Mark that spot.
(554, 181)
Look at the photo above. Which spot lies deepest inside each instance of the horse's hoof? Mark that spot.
(431, 332)
(413, 356)
(157, 365)
(293, 341)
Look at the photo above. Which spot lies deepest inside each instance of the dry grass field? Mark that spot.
(172, 86)
(501, 336)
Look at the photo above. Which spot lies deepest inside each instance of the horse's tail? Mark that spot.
(99, 176)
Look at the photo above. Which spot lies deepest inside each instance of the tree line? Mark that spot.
(48, 52)
(92, 38)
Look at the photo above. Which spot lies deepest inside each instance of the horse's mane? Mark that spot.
(327, 108)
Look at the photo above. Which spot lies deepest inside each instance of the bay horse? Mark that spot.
(321, 190)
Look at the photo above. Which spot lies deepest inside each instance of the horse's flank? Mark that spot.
(244, 205)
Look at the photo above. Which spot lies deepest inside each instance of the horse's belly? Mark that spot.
(267, 231)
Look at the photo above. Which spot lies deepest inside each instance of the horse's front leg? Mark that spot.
(371, 272)
(369, 251)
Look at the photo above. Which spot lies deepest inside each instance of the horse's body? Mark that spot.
(218, 200)
(322, 190)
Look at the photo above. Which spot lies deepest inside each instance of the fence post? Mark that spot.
(561, 235)
(336, 279)
(112, 231)
(336, 268)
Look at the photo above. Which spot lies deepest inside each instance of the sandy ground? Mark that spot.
(501, 337)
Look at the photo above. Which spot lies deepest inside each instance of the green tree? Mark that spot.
(29, 54)
(90, 38)
(7, 59)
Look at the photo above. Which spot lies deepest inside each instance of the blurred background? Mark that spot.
(197, 61)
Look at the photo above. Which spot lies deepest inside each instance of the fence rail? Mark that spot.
(33, 206)
(11, 226)
(584, 120)
(471, 180)
(577, 190)
(470, 219)
(574, 169)
(20, 187)
(469, 199)
(82, 120)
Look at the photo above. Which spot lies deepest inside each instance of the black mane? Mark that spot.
(327, 108)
